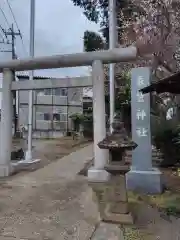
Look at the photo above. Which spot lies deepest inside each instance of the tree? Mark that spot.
(156, 32)
(150, 25)
(93, 41)
(97, 11)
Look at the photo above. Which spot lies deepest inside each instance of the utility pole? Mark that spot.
(31, 78)
(13, 35)
(112, 44)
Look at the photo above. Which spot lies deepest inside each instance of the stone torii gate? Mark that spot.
(96, 60)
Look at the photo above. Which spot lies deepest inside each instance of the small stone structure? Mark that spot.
(115, 194)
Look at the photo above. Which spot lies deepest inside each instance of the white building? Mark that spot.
(52, 108)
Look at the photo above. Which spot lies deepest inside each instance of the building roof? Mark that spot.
(169, 84)
(26, 75)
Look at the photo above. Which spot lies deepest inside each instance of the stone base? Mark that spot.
(107, 231)
(98, 175)
(24, 165)
(145, 181)
(119, 207)
(118, 218)
(31, 161)
(5, 170)
(112, 206)
(13, 167)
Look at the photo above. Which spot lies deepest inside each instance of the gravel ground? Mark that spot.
(49, 151)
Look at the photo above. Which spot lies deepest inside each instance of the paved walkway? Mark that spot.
(52, 203)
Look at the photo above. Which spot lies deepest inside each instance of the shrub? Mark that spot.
(88, 126)
(166, 138)
(77, 119)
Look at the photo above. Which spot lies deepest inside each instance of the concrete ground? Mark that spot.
(52, 203)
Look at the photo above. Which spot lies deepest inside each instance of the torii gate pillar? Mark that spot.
(6, 124)
(97, 173)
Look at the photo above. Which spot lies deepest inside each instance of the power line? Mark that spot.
(9, 5)
(5, 17)
(13, 35)
(2, 37)
(2, 29)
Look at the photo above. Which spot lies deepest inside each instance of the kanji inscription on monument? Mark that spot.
(140, 109)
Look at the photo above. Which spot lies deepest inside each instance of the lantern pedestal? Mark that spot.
(112, 196)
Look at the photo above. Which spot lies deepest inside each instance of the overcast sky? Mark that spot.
(59, 29)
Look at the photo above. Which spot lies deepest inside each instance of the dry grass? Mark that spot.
(149, 212)
(131, 233)
(168, 202)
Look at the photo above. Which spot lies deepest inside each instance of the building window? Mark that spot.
(63, 92)
(39, 116)
(60, 117)
(63, 117)
(56, 92)
(39, 91)
(47, 91)
(47, 116)
(60, 92)
(56, 117)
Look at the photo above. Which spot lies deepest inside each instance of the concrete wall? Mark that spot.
(46, 134)
(23, 115)
(74, 97)
(24, 97)
(38, 120)
(49, 134)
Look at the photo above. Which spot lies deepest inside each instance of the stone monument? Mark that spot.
(142, 177)
(117, 143)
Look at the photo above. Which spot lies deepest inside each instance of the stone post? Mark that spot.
(97, 173)
(6, 124)
(142, 176)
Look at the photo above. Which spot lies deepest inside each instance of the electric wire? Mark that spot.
(2, 29)
(4, 15)
(11, 10)
(2, 37)
(13, 15)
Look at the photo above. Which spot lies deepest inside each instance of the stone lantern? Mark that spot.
(117, 202)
